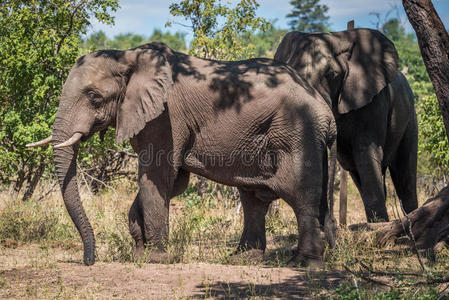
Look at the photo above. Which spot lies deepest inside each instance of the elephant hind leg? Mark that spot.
(310, 244)
(324, 206)
(136, 226)
(403, 169)
(254, 211)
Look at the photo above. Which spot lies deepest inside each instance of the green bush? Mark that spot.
(39, 45)
(432, 136)
(217, 27)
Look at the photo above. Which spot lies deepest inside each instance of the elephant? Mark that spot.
(356, 72)
(253, 124)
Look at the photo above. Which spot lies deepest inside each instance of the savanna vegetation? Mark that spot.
(41, 39)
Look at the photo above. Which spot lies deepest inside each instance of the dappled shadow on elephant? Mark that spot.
(229, 79)
(306, 284)
(356, 72)
(247, 124)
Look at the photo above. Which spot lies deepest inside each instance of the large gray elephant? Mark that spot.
(356, 71)
(252, 124)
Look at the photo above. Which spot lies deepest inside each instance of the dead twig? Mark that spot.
(51, 189)
(443, 293)
(365, 277)
(82, 175)
(369, 272)
(412, 236)
(384, 273)
(97, 180)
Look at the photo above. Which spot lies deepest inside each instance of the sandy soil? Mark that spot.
(40, 273)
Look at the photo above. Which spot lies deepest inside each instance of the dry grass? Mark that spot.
(202, 231)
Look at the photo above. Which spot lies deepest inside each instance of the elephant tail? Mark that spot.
(330, 224)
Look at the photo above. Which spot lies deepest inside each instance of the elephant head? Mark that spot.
(348, 68)
(123, 89)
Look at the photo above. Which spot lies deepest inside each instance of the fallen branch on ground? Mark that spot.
(429, 224)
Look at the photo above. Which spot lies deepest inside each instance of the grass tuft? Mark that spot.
(25, 222)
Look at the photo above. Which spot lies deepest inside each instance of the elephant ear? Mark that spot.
(149, 80)
(371, 66)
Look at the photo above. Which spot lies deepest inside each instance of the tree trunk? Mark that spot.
(428, 225)
(19, 182)
(433, 42)
(34, 179)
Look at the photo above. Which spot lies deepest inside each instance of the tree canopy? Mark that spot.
(217, 28)
(99, 40)
(39, 43)
(308, 16)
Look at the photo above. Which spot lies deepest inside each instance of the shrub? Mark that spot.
(27, 222)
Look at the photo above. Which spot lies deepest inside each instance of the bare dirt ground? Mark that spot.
(42, 273)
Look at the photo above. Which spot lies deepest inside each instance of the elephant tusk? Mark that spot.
(73, 140)
(40, 143)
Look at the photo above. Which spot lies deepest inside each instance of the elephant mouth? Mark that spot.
(97, 127)
(74, 139)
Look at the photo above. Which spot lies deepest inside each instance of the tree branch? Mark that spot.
(69, 30)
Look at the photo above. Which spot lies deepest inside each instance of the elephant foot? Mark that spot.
(152, 256)
(330, 230)
(307, 262)
(252, 256)
(250, 242)
(139, 251)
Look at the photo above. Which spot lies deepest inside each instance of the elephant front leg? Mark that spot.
(136, 227)
(371, 183)
(254, 211)
(148, 221)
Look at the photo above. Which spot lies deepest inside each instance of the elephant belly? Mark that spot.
(235, 167)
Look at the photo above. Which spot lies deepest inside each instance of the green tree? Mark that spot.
(265, 42)
(308, 16)
(125, 41)
(433, 146)
(217, 28)
(96, 40)
(395, 31)
(410, 58)
(99, 40)
(175, 41)
(39, 43)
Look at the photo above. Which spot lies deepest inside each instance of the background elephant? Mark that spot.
(253, 124)
(356, 72)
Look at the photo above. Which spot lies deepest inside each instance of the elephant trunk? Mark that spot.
(65, 164)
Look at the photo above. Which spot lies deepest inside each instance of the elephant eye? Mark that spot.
(93, 97)
(331, 74)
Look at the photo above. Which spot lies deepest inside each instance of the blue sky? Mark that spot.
(143, 16)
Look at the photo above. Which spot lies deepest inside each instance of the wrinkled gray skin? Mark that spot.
(252, 124)
(356, 72)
